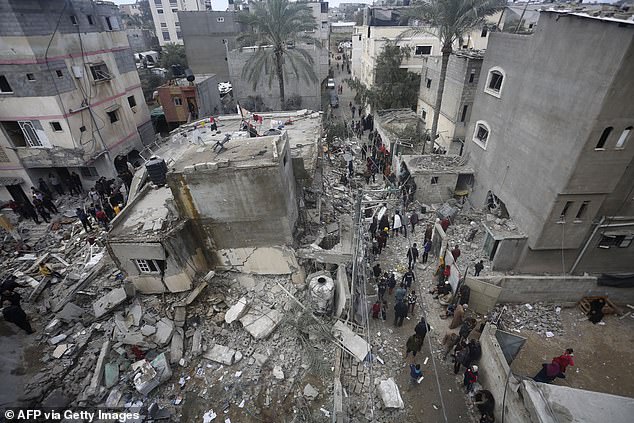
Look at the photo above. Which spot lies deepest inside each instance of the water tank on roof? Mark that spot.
(322, 290)
(156, 170)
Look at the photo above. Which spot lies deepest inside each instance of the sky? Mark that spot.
(222, 4)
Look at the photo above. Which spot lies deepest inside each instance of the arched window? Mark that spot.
(495, 81)
(623, 138)
(481, 133)
(604, 138)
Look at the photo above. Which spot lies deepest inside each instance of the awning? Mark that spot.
(13, 180)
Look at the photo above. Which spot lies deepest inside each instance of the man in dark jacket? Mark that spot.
(412, 256)
(83, 218)
(400, 313)
(422, 328)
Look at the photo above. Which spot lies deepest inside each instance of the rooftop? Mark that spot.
(447, 163)
(146, 215)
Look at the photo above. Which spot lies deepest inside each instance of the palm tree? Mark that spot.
(277, 27)
(453, 19)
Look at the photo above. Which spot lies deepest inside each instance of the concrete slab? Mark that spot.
(97, 376)
(60, 350)
(261, 323)
(70, 313)
(176, 346)
(164, 331)
(356, 345)
(111, 374)
(237, 310)
(179, 282)
(221, 354)
(136, 311)
(180, 314)
(197, 343)
(390, 394)
(109, 301)
(194, 294)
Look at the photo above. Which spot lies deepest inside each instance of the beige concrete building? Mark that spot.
(165, 16)
(70, 97)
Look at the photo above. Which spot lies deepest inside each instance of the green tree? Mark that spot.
(173, 54)
(394, 87)
(277, 28)
(453, 19)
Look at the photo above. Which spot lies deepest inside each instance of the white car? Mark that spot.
(331, 83)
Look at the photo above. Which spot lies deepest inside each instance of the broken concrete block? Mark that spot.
(109, 301)
(61, 350)
(70, 313)
(136, 311)
(197, 342)
(260, 324)
(113, 398)
(237, 310)
(148, 330)
(260, 359)
(53, 326)
(388, 390)
(221, 354)
(310, 392)
(356, 345)
(57, 339)
(278, 373)
(101, 362)
(176, 347)
(195, 292)
(145, 378)
(111, 374)
(164, 331)
(180, 314)
(162, 367)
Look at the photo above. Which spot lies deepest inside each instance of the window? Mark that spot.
(220, 19)
(163, 25)
(30, 77)
(132, 101)
(88, 172)
(463, 116)
(495, 82)
(149, 266)
(90, 21)
(158, 2)
(582, 210)
(623, 138)
(23, 133)
(109, 23)
(179, 35)
(178, 101)
(57, 127)
(73, 19)
(4, 85)
(614, 240)
(422, 50)
(485, 31)
(428, 82)
(174, 10)
(472, 76)
(423, 114)
(159, 11)
(114, 117)
(100, 72)
(59, 73)
(481, 133)
(434, 180)
(564, 211)
(166, 35)
(82, 128)
(604, 137)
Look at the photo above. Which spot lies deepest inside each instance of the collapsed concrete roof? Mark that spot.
(437, 163)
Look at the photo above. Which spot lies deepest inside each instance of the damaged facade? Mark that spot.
(560, 166)
(69, 105)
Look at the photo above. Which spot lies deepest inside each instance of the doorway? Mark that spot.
(18, 194)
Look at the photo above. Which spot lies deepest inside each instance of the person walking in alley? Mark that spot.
(391, 283)
(382, 239)
(376, 271)
(373, 227)
(422, 328)
(400, 313)
(455, 253)
(376, 309)
(565, 360)
(458, 316)
(478, 268)
(426, 250)
(400, 293)
(408, 279)
(48, 204)
(13, 313)
(353, 110)
(413, 345)
(470, 377)
(397, 223)
(411, 301)
(384, 311)
(412, 256)
(413, 220)
(381, 289)
(39, 206)
(415, 373)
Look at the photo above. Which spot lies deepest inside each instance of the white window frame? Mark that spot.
(143, 266)
(477, 140)
(622, 141)
(490, 91)
(31, 136)
(431, 50)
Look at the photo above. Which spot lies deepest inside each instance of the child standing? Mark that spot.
(470, 377)
(376, 309)
(415, 372)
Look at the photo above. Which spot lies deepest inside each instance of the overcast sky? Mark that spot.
(222, 4)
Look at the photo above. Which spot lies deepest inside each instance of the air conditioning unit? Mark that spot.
(78, 72)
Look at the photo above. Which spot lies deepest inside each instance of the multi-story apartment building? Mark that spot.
(165, 17)
(461, 80)
(551, 140)
(130, 9)
(70, 95)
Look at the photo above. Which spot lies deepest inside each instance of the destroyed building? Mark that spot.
(561, 166)
(70, 94)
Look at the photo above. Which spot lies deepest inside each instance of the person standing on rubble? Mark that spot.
(413, 220)
(455, 253)
(83, 218)
(458, 316)
(479, 266)
(426, 250)
(102, 218)
(382, 239)
(400, 293)
(391, 282)
(400, 313)
(413, 345)
(397, 224)
(381, 289)
(411, 301)
(39, 206)
(13, 313)
(412, 256)
(408, 278)
(376, 271)
(54, 182)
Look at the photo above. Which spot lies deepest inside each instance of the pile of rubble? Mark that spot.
(545, 319)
